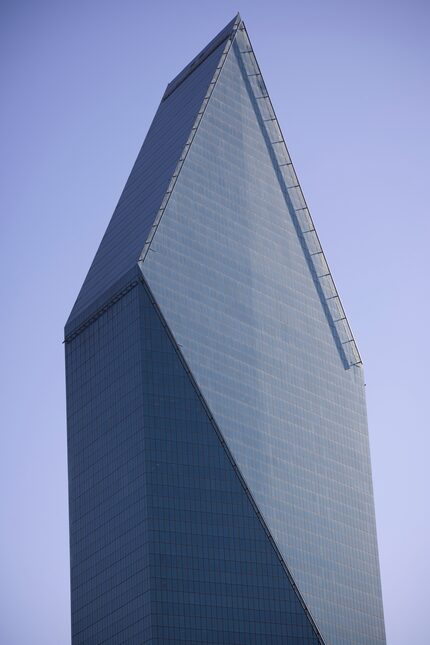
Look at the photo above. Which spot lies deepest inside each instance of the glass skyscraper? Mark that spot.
(220, 485)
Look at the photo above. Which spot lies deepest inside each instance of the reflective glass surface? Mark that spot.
(166, 546)
(107, 490)
(232, 280)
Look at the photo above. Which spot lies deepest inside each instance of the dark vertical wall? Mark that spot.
(107, 493)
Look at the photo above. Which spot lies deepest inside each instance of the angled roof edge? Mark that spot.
(301, 215)
(303, 221)
(206, 51)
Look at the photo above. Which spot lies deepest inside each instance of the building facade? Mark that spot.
(220, 486)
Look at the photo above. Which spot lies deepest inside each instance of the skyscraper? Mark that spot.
(219, 473)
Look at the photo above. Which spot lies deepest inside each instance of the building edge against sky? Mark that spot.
(212, 238)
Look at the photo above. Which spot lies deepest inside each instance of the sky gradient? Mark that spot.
(81, 82)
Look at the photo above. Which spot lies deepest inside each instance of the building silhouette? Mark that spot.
(220, 484)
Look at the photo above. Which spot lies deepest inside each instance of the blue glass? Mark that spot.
(215, 576)
(140, 200)
(166, 545)
(232, 279)
(109, 551)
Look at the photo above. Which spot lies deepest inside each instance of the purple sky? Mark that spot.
(80, 84)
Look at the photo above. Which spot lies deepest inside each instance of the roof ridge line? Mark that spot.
(299, 210)
(225, 33)
(190, 139)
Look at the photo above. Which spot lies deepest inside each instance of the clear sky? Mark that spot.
(80, 84)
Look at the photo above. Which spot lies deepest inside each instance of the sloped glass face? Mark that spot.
(235, 287)
(142, 195)
(215, 576)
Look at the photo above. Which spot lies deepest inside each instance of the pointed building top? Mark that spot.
(152, 180)
(225, 33)
(149, 180)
